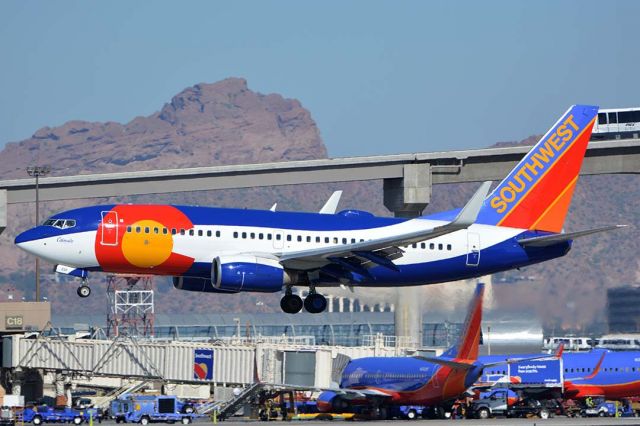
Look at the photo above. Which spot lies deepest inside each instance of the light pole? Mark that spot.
(37, 171)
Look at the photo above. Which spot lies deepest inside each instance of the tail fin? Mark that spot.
(467, 344)
(537, 192)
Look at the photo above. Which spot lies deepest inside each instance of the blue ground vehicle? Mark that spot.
(145, 409)
(43, 414)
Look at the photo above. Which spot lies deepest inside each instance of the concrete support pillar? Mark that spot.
(409, 195)
(329, 303)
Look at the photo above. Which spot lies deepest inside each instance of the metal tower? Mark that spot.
(131, 310)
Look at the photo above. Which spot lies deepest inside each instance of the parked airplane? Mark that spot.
(231, 250)
(597, 373)
(385, 381)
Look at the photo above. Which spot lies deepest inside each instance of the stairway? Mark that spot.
(227, 409)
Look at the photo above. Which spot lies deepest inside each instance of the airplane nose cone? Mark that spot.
(29, 238)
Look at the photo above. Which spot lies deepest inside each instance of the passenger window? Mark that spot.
(146, 229)
(200, 233)
(308, 238)
(278, 237)
(269, 237)
(192, 232)
(182, 232)
(289, 237)
(432, 246)
(253, 235)
(344, 241)
(174, 231)
(128, 228)
(335, 240)
(235, 235)
(218, 234)
(138, 229)
(353, 241)
(326, 240)
(449, 247)
(602, 118)
(261, 236)
(165, 231)
(244, 235)
(613, 118)
(423, 245)
(439, 246)
(299, 238)
(317, 239)
(414, 245)
(209, 233)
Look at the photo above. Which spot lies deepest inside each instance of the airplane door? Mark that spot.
(278, 240)
(473, 249)
(109, 226)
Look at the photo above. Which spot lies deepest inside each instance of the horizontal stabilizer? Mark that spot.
(549, 240)
(460, 364)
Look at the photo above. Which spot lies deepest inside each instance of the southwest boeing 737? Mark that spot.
(228, 251)
(380, 382)
(597, 373)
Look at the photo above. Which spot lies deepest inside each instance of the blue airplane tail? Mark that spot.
(467, 345)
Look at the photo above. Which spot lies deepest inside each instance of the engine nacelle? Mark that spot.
(248, 273)
(197, 284)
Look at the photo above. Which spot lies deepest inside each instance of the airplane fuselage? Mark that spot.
(184, 241)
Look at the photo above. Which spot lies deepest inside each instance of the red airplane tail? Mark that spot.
(467, 345)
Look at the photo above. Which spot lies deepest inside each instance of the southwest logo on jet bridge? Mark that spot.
(203, 364)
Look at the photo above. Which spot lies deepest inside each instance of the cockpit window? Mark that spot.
(60, 223)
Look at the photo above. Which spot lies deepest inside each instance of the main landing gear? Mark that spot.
(314, 303)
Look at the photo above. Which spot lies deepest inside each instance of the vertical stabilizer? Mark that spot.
(537, 192)
(467, 345)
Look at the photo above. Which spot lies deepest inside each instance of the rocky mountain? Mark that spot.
(227, 123)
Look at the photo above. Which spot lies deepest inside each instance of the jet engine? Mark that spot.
(249, 273)
(197, 284)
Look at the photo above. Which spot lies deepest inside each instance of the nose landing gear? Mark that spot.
(84, 290)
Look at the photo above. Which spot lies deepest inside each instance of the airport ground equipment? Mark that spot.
(145, 409)
(43, 414)
(228, 409)
(499, 403)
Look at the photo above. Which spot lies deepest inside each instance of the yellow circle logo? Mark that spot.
(147, 245)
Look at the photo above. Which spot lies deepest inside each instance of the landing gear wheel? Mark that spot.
(84, 291)
(315, 303)
(291, 303)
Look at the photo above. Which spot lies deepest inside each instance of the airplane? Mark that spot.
(218, 250)
(596, 373)
(381, 382)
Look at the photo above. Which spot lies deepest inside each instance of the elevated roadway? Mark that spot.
(407, 178)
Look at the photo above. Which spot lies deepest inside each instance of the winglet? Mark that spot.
(469, 213)
(331, 205)
(274, 207)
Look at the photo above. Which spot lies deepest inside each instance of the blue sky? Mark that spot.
(379, 77)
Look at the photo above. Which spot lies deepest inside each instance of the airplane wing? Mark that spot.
(548, 240)
(381, 251)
